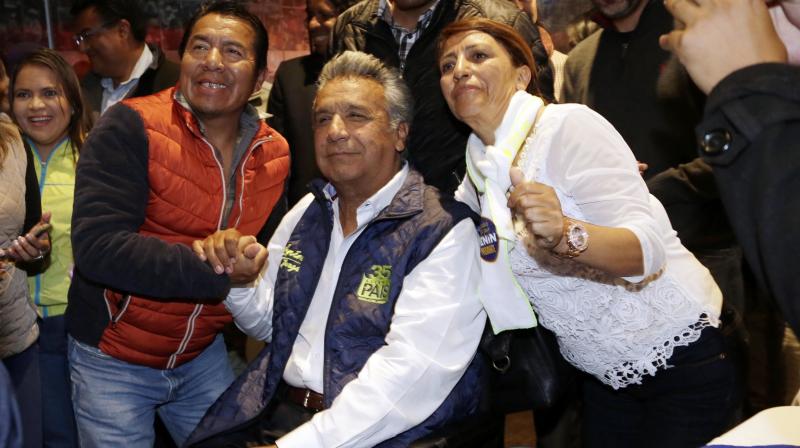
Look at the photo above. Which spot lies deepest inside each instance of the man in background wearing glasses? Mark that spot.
(112, 34)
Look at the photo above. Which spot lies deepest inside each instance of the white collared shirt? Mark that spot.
(112, 95)
(435, 330)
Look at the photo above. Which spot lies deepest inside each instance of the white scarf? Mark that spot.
(506, 303)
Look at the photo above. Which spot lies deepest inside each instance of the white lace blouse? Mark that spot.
(617, 329)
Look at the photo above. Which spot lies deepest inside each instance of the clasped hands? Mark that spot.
(229, 252)
(537, 205)
(242, 257)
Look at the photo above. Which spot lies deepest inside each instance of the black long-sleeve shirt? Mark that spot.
(751, 135)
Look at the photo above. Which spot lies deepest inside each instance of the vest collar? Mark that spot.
(408, 201)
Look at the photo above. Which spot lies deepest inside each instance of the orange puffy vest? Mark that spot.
(186, 203)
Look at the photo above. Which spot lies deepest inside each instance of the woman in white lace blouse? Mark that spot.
(589, 249)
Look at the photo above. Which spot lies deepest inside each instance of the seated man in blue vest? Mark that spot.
(369, 297)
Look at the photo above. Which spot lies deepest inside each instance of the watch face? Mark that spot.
(578, 237)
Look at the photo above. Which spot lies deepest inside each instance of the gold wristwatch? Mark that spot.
(576, 237)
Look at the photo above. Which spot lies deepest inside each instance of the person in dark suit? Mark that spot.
(112, 33)
(750, 129)
(293, 93)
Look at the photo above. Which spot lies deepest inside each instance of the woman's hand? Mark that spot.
(228, 252)
(34, 245)
(538, 206)
(615, 250)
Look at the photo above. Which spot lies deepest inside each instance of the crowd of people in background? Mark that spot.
(431, 169)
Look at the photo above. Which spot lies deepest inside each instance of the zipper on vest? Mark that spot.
(224, 182)
(247, 155)
(187, 336)
(199, 307)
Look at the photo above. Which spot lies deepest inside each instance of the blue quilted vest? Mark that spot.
(370, 281)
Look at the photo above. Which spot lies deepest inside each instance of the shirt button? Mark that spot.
(716, 142)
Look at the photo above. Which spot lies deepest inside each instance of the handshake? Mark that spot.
(229, 252)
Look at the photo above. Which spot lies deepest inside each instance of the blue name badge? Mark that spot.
(487, 237)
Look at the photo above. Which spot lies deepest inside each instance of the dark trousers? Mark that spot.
(281, 417)
(276, 420)
(58, 416)
(683, 406)
(10, 421)
(23, 368)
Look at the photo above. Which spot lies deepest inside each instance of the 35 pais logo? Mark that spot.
(291, 259)
(374, 287)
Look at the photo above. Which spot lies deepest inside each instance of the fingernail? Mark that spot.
(218, 269)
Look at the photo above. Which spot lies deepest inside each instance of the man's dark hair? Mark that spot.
(229, 8)
(112, 11)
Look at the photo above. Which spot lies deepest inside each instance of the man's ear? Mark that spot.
(523, 77)
(402, 135)
(260, 77)
(124, 28)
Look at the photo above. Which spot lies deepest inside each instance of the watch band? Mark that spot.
(572, 233)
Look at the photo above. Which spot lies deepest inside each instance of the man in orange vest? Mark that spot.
(156, 173)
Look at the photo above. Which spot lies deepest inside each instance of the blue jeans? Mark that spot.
(115, 401)
(58, 420)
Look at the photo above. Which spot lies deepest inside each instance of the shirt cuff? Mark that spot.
(251, 308)
(240, 297)
(647, 250)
